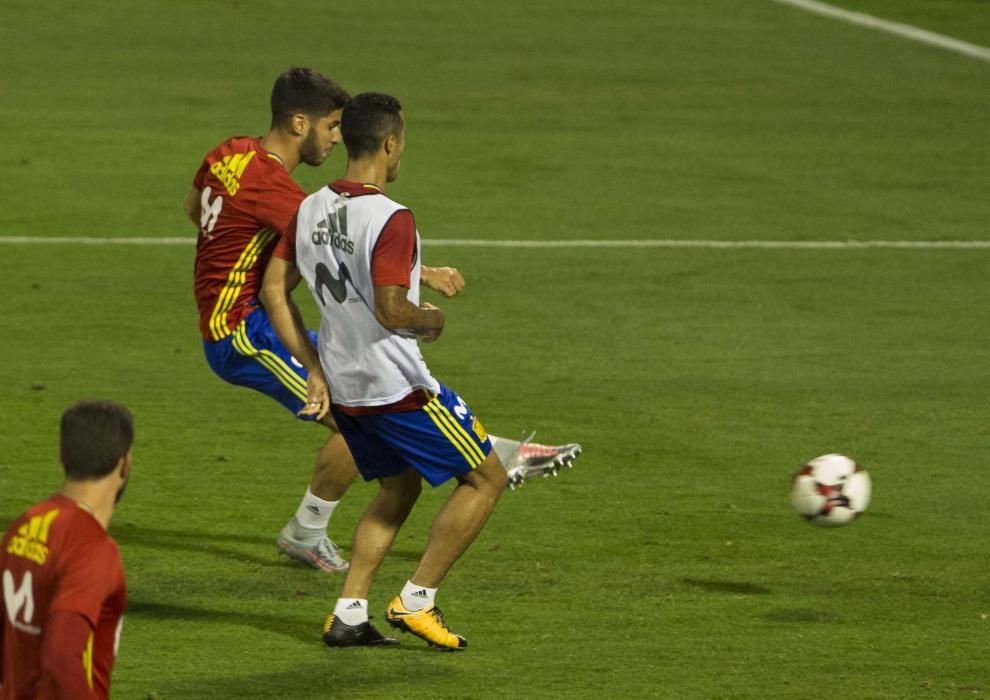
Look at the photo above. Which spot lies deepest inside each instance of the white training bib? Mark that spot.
(366, 364)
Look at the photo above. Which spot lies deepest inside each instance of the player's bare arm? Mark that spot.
(192, 206)
(281, 277)
(394, 311)
(446, 280)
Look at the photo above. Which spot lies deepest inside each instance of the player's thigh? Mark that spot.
(442, 440)
(406, 484)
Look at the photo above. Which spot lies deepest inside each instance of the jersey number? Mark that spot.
(209, 212)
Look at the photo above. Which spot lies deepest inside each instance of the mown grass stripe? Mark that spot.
(563, 243)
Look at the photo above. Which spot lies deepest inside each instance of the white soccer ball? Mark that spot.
(830, 491)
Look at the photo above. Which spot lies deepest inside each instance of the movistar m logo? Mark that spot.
(336, 285)
(230, 169)
(19, 601)
(31, 540)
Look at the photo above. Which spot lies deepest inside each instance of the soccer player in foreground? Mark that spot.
(401, 424)
(63, 583)
(241, 201)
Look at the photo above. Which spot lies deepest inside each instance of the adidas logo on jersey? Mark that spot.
(31, 540)
(333, 231)
(229, 170)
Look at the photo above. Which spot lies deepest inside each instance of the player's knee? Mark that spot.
(491, 476)
(500, 479)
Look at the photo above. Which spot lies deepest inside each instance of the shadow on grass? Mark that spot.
(352, 672)
(303, 629)
(224, 545)
(736, 587)
(227, 546)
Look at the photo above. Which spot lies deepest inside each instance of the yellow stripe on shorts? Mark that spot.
(272, 362)
(235, 281)
(458, 437)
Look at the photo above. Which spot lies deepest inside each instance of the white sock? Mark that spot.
(504, 447)
(314, 513)
(417, 597)
(351, 611)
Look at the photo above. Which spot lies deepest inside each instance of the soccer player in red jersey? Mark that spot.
(242, 200)
(64, 592)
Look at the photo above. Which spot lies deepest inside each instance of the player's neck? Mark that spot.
(95, 497)
(283, 149)
(367, 172)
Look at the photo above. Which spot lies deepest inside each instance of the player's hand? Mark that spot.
(446, 280)
(431, 335)
(317, 396)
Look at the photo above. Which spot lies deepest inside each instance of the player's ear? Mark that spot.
(124, 466)
(391, 142)
(300, 124)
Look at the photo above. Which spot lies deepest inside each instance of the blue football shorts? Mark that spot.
(254, 357)
(441, 439)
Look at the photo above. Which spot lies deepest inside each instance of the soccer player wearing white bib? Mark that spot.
(242, 200)
(359, 253)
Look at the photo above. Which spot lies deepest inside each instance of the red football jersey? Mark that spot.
(58, 557)
(247, 199)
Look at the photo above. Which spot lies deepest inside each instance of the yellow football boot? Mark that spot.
(427, 624)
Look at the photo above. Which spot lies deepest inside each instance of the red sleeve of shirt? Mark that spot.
(86, 578)
(286, 246)
(63, 674)
(201, 175)
(392, 259)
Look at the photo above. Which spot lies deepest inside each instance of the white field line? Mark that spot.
(680, 243)
(906, 31)
(574, 243)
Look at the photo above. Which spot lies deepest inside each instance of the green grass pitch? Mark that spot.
(666, 564)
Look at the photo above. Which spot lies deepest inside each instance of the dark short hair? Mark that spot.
(305, 91)
(94, 436)
(367, 120)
